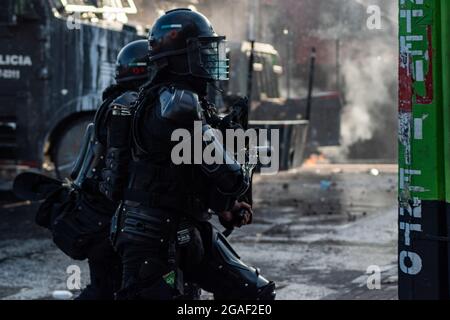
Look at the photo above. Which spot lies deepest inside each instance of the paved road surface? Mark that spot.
(316, 232)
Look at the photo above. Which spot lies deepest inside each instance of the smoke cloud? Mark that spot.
(370, 82)
(367, 58)
(368, 77)
(370, 102)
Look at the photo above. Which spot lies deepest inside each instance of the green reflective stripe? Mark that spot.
(171, 26)
(137, 64)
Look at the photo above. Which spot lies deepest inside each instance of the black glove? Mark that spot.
(238, 217)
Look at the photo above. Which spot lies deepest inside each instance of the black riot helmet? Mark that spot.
(183, 42)
(132, 63)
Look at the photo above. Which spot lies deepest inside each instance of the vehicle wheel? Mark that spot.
(67, 146)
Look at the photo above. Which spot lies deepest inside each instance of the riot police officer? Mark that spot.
(161, 229)
(79, 215)
(104, 264)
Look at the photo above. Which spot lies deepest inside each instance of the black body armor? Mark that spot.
(161, 226)
(190, 189)
(118, 154)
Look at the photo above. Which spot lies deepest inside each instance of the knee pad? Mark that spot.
(244, 282)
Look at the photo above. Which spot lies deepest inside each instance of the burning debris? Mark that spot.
(315, 159)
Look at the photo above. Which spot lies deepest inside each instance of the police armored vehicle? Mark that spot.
(56, 57)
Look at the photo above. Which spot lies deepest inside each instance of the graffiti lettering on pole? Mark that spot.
(415, 88)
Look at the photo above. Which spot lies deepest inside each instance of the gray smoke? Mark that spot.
(367, 66)
(370, 81)
(368, 58)
(368, 71)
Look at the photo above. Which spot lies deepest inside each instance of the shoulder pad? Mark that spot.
(126, 100)
(180, 105)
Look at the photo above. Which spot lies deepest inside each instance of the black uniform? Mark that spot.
(79, 213)
(161, 229)
(104, 263)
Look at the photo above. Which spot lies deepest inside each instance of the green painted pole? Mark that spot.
(424, 122)
(445, 36)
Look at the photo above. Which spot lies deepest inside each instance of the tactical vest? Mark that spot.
(154, 180)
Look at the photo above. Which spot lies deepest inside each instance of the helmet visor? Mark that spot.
(207, 58)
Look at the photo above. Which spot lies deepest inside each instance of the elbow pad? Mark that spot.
(228, 176)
